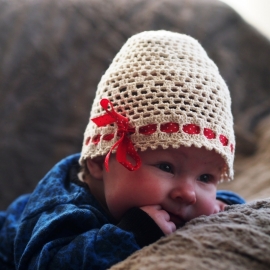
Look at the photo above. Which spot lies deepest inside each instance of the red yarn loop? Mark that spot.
(108, 137)
(87, 141)
(191, 129)
(148, 129)
(209, 133)
(224, 140)
(96, 139)
(169, 127)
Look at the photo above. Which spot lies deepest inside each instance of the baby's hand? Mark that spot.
(161, 217)
(220, 206)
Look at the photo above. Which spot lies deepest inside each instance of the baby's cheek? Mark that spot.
(210, 206)
(214, 206)
(206, 203)
(117, 205)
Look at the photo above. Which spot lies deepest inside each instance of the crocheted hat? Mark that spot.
(161, 90)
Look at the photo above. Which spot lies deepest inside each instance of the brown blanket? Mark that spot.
(238, 238)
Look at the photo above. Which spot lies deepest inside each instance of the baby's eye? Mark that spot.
(165, 167)
(205, 178)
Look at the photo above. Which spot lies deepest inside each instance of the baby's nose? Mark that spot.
(185, 192)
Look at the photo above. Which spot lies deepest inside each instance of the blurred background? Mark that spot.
(255, 12)
(54, 52)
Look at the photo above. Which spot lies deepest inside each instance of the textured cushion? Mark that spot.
(238, 238)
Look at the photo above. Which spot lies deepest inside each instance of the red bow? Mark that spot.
(124, 145)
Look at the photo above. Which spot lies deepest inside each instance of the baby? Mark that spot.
(172, 132)
(159, 140)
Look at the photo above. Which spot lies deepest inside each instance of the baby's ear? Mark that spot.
(95, 167)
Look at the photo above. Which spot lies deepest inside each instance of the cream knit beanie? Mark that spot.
(170, 94)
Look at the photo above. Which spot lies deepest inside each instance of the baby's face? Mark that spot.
(182, 181)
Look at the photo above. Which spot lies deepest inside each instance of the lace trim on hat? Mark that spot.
(169, 127)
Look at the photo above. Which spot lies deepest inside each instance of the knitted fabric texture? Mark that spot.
(172, 94)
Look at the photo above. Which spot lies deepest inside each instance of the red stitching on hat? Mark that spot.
(169, 127)
(148, 129)
(209, 133)
(232, 148)
(191, 129)
(108, 137)
(87, 141)
(223, 140)
(96, 139)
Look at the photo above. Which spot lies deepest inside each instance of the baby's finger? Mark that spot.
(151, 209)
(168, 228)
(164, 214)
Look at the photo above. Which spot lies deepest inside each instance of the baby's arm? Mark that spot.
(69, 237)
(144, 228)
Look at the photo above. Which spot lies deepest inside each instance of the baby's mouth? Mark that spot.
(177, 220)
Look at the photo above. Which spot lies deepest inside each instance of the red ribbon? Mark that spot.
(124, 145)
